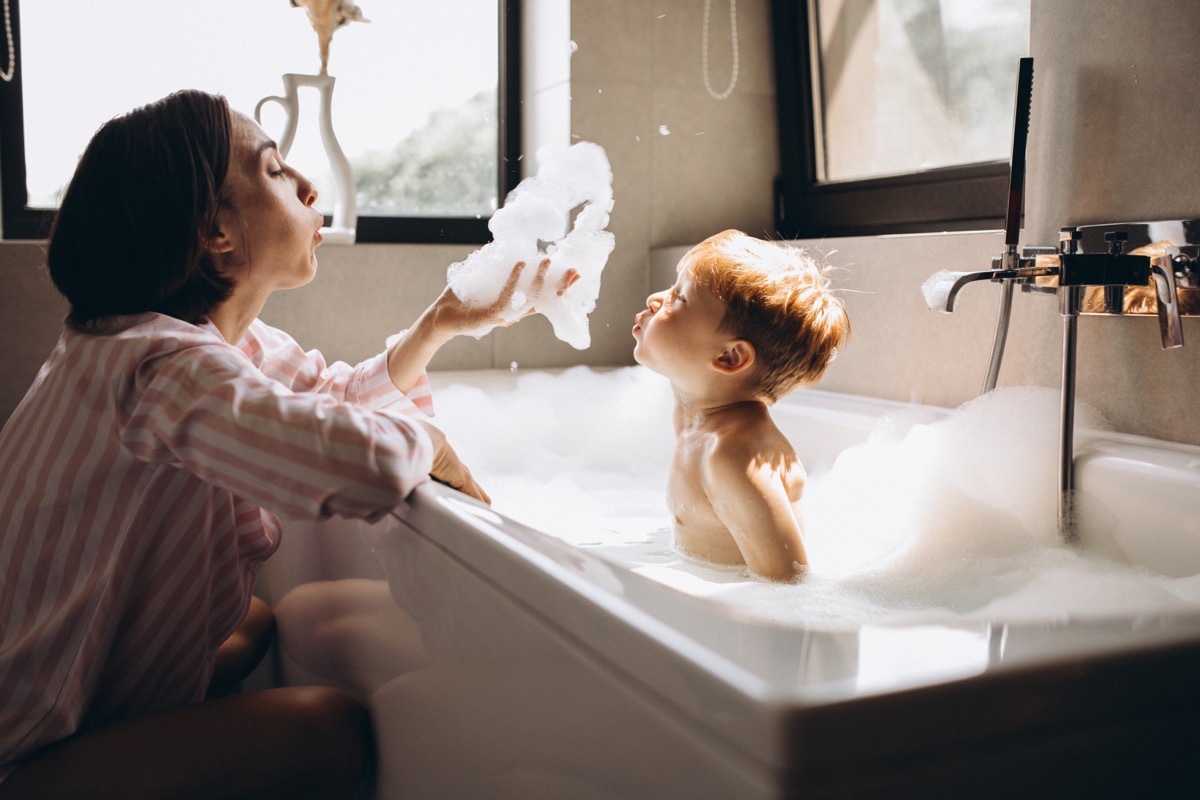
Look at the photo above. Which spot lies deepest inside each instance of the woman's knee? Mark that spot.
(245, 648)
(257, 629)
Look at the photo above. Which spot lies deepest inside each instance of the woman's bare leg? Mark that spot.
(294, 742)
(243, 650)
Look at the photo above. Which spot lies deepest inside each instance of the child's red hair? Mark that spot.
(779, 299)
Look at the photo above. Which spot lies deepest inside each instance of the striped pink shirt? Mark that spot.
(139, 482)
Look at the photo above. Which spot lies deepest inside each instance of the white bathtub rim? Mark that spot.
(636, 642)
(732, 702)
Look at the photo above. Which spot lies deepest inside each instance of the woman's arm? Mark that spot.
(448, 317)
(301, 454)
(395, 378)
(279, 357)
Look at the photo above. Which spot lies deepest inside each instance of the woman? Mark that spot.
(141, 474)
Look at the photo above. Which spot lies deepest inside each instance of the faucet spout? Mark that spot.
(941, 288)
(1162, 270)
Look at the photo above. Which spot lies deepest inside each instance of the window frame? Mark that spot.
(971, 197)
(21, 222)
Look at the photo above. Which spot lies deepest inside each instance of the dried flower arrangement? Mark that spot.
(327, 16)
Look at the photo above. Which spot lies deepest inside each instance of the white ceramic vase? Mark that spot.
(345, 209)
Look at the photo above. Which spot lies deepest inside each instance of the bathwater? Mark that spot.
(927, 520)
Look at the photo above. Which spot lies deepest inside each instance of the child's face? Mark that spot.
(680, 330)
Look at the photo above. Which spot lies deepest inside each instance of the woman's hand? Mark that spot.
(447, 468)
(452, 317)
(448, 317)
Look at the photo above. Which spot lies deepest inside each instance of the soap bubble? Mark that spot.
(537, 212)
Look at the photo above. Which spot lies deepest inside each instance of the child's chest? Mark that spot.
(686, 495)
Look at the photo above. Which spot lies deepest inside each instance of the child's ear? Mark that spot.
(737, 356)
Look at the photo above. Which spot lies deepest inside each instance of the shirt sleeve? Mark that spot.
(309, 454)
(367, 384)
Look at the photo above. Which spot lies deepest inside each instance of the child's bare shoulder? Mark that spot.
(751, 437)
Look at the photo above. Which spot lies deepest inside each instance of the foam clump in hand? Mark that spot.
(535, 224)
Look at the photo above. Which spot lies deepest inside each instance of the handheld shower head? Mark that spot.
(1016, 170)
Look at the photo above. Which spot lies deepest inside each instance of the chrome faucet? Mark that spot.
(1092, 273)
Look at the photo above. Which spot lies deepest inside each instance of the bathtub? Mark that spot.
(502, 662)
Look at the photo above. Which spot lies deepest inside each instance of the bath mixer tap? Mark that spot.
(1093, 274)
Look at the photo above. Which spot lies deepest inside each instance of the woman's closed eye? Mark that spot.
(276, 166)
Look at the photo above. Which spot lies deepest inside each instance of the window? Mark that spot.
(425, 104)
(895, 115)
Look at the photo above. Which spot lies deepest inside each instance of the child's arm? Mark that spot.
(752, 494)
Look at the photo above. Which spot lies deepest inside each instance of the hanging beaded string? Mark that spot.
(704, 50)
(7, 75)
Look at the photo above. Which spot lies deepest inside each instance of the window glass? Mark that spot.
(904, 86)
(414, 106)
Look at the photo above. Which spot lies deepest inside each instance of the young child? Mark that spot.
(745, 323)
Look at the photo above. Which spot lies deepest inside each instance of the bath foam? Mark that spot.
(936, 289)
(539, 211)
(943, 521)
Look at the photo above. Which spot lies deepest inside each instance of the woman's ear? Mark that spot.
(219, 240)
(738, 355)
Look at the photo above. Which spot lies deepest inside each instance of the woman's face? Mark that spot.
(268, 239)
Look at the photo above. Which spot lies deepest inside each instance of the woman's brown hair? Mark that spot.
(131, 232)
